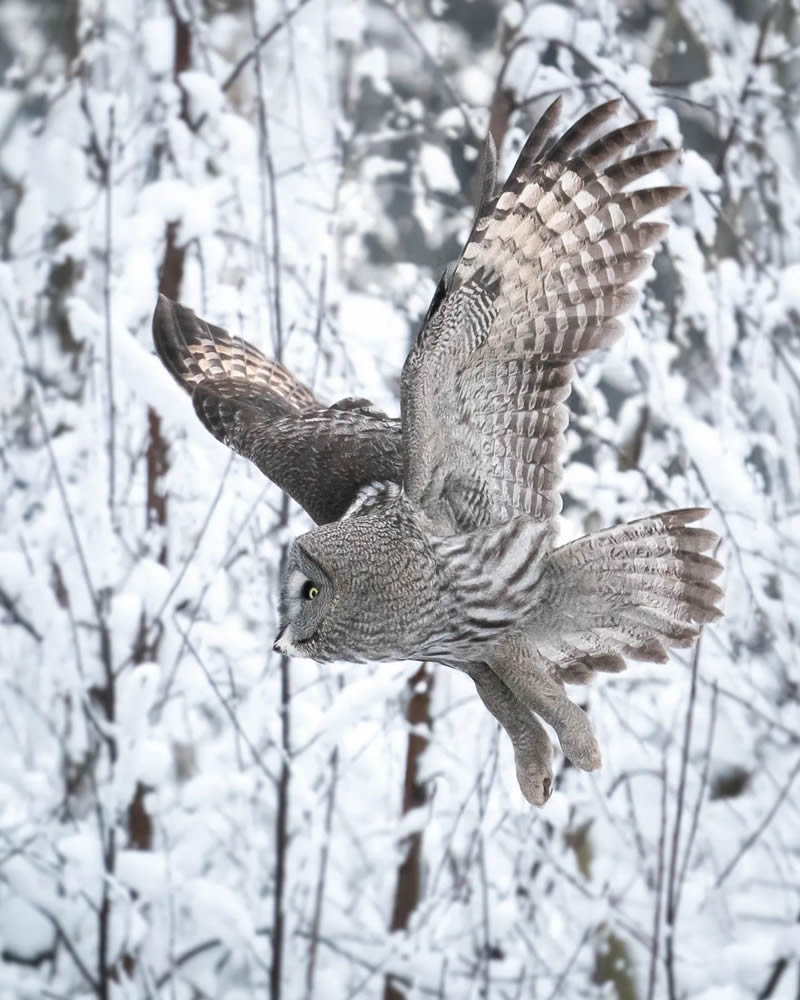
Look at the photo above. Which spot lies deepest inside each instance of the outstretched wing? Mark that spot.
(321, 456)
(541, 281)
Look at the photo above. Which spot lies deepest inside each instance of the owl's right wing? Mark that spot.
(320, 455)
(544, 274)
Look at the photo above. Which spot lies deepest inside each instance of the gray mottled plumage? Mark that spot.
(435, 535)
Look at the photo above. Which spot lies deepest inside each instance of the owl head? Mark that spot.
(362, 589)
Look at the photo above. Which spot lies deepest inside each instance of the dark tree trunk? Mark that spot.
(409, 875)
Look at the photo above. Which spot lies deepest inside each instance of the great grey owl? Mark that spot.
(435, 535)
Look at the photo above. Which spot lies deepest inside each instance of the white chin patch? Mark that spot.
(284, 641)
(284, 644)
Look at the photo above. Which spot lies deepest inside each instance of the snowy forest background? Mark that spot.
(185, 814)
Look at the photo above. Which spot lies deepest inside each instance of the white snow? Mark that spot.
(158, 44)
(24, 931)
(373, 65)
(513, 14)
(372, 117)
(144, 872)
(438, 170)
(205, 95)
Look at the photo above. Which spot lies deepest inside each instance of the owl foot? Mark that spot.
(533, 757)
(535, 784)
(582, 750)
(577, 740)
(533, 753)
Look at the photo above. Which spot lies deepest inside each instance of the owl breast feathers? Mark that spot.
(435, 536)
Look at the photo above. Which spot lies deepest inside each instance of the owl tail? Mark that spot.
(632, 591)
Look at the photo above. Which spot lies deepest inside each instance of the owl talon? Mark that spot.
(583, 752)
(535, 786)
(578, 742)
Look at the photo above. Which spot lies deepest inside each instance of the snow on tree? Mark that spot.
(185, 814)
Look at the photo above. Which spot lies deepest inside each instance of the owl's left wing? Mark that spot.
(542, 279)
(320, 455)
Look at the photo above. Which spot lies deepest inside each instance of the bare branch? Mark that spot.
(263, 40)
(17, 617)
(112, 413)
(672, 900)
(762, 826)
(184, 633)
(319, 893)
(652, 978)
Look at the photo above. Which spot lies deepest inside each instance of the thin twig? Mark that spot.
(433, 65)
(672, 897)
(316, 920)
(762, 826)
(744, 93)
(224, 563)
(17, 617)
(73, 954)
(186, 956)
(775, 976)
(662, 837)
(580, 54)
(106, 830)
(556, 992)
(701, 794)
(281, 836)
(73, 527)
(195, 545)
(267, 37)
(269, 208)
(224, 702)
(107, 178)
(480, 834)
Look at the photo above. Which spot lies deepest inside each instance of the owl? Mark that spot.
(435, 534)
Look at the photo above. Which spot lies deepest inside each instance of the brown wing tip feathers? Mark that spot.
(166, 334)
(175, 330)
(698, 569)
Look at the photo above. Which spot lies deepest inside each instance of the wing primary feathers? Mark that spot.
(538, 139)
(583, 128)
(545, 273)
(169, 340)
(614, 143)
(198, 353)
(627, 171)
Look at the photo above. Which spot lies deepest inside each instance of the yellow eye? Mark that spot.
(310, 590)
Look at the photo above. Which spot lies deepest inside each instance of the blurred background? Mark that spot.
(186, 815)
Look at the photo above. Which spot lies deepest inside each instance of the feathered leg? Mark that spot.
(631, 591)
(540, 690)
(533, 753)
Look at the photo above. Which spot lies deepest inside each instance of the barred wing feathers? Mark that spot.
(320, 455)
(631, 591)
(541, 281)
(197, 353)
